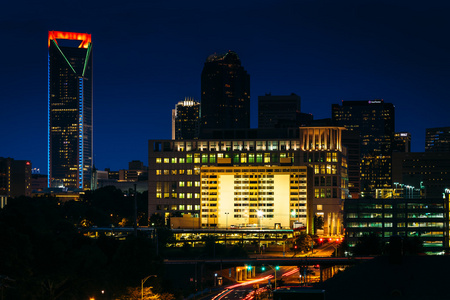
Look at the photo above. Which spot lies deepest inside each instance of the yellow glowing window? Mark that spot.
(158, 160)
(166, 172)
(189, 183)
(181, 183)
(197, 183)
(267, 157)
(158, 172)
(189, 207)
(181, 195)
(174, 160)
(316, 169)
(189, 172)
(166, 160)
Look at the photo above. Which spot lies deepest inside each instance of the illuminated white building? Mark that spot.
(177, 169)
(267, 197)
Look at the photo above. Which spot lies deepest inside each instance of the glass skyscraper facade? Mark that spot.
(69, 109)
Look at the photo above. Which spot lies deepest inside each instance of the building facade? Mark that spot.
(69, 110)
(402, 142)
(375, 122)
(256, 196)
(175, 170)
(279, 111)
(437, 139)
(186, 120)
(428, 169)
(399, 214)
(15, 177)
(225, 93)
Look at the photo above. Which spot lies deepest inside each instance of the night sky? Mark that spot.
(148, 55)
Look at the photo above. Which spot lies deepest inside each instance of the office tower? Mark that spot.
(15, 177)
(402, 142)
(69, 109)
(437, 139)
(279, 111)
(225, 88)
(186, 120)
(375, 122)
(177, 169)
(422, 169)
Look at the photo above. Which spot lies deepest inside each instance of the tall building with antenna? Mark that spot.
(69, 109)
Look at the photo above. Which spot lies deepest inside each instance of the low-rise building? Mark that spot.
(399, 214)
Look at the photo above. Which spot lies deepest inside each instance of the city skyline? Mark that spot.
(148, 57)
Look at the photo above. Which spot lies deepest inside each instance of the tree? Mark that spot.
(303, 242)
(135, 293)
(368, 245)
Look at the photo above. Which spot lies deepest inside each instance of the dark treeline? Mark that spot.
(43, 256)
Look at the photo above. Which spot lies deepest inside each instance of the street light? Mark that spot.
(274, 269)
(142, 284)
(226, 215)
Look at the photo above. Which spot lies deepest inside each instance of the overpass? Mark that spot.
(242, 269)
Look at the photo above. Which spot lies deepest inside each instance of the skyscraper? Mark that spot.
(186, 120)
(279, 111)
(69, 109)
(375, 122)
(225, 87)
(437, 139)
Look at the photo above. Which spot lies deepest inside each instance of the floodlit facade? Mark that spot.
(69, 109)
(257, 196)
(176, 169)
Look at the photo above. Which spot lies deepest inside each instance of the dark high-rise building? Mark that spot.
(225, 99)
(437, 139)
(375, 122)
(402, 142)
(279, 111)
(186, 120)
(15, 177)
(69, 109)
(428, 169)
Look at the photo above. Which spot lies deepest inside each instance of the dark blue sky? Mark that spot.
(148, 55)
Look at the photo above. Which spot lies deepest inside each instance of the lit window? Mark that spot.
(166, 160)
(189, 195)
(181, 195)
(166, 172)
(181, 183)
(158, 172)
(181, 207)
(189, 172)
(189, 183)
(158, 160)
(197, 183)
(189, 207)
(174, 160)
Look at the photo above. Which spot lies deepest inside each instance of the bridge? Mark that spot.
(242, 269)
